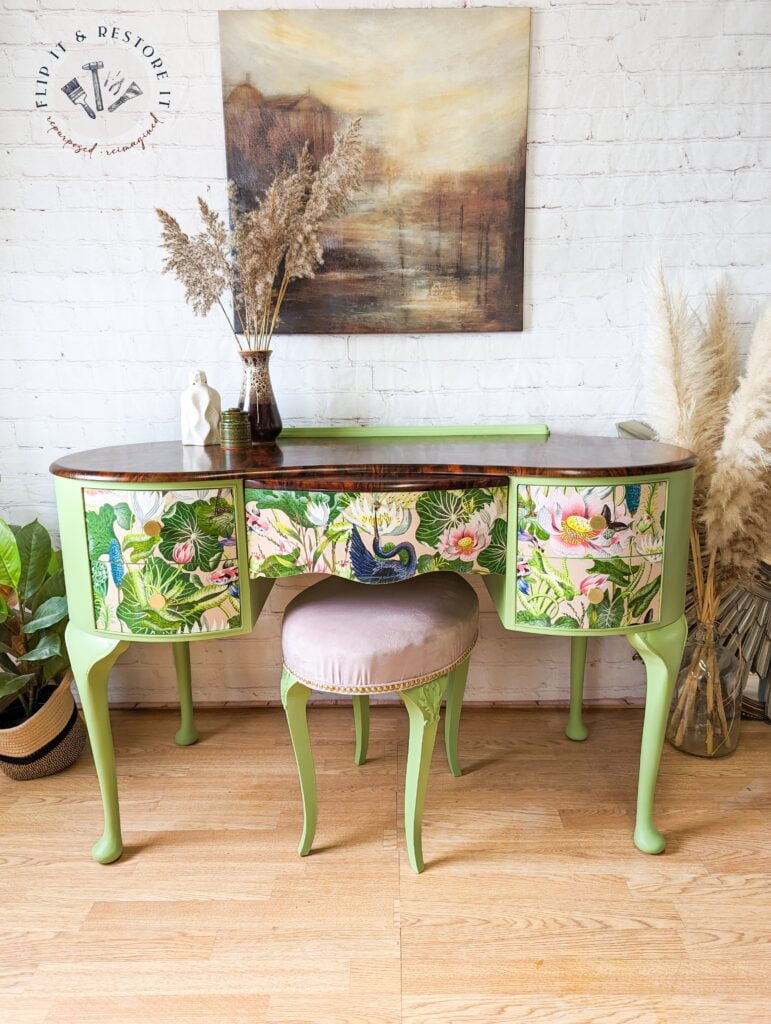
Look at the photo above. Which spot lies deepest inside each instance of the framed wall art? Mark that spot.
(434, 240)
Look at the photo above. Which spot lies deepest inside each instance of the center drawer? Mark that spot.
(375, 537)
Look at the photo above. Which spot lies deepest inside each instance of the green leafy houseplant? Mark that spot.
(33, 616)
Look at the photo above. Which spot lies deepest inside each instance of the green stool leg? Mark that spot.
(294, 697)
(661, 650)
(456, 687)
(361, 724)
(187, 733)
(91, 658)
(575, 729)
(423, 703)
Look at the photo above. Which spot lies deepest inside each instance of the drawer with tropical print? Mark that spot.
(589, 557)
(163, 562)
(377, 537)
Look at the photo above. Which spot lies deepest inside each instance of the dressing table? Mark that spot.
(573, 537)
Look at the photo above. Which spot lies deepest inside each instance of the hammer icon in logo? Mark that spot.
(94, 67)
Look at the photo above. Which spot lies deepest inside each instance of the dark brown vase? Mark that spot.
(257, 398)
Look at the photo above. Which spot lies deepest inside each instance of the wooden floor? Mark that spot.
(534, 905)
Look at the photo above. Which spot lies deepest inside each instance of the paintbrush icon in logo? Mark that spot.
(75, 91)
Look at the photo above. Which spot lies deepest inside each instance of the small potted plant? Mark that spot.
(40, 729)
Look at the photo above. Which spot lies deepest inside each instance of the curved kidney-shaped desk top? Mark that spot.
(573, 536)
(321, 458)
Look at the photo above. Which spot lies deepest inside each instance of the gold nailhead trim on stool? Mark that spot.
(405, 684)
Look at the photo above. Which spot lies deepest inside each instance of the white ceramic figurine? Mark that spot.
(201, 407)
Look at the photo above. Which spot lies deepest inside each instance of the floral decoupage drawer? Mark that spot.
(589, 557)
(376, 537)
(163, 562)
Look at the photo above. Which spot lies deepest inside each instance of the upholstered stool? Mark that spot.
(413, 638)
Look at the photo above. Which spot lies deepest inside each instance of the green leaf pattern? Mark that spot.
(35, 553)
(295, 532)
(163, 562)
(589, 557)
(10, 561)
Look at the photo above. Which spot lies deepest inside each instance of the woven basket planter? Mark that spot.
(52, 739)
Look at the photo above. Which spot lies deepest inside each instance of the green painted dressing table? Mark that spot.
(574, 537)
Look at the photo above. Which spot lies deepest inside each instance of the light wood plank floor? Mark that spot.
(534, 906)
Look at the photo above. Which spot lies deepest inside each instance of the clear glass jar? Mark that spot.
(707, 702)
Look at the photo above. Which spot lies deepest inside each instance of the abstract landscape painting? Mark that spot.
(434, 240)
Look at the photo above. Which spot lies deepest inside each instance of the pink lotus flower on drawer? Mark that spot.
(593, 587)
(577, 525)
(183, 552)
(463, 542)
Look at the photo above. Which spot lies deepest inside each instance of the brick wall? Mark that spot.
(649, 138)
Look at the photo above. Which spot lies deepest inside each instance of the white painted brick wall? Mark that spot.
(649, 138)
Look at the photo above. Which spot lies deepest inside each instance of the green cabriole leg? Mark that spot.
(361, 724)
(294, 697)
(187, 733)
(423, 703)
(661, 650)
(456, 687)
(91, 658)
(575, 729)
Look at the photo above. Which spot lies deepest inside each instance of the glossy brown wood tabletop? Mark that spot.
(378, 463)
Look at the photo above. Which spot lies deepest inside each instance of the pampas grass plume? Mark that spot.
(738, 506)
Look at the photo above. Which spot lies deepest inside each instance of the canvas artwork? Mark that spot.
(434, 240)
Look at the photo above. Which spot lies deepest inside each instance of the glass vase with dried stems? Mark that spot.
(274, 239)
(697, 400)
(706, 705)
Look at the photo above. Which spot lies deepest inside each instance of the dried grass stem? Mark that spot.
(268, 246)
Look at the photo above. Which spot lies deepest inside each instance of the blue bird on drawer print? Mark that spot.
(116, 562)
(369, 569)
(633, 497)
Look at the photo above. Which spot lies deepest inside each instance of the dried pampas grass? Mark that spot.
(736, 512)
(692, 374)
(270, 246)
(670, 364)
(695, 402)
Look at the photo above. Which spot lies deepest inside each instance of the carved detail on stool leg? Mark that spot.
(575, 729)
(361, 725)
(456, 687)
(428, 698)
(661, 650)
(423, 704)
(91, 658)
(294, 697)
(187, 733)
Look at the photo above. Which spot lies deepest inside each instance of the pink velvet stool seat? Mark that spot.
(413, 637)
(348, 637)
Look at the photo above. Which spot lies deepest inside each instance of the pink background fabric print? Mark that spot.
(589, 557)
(376, 537)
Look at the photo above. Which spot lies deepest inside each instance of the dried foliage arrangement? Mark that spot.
(268, 247)
(698, 401)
